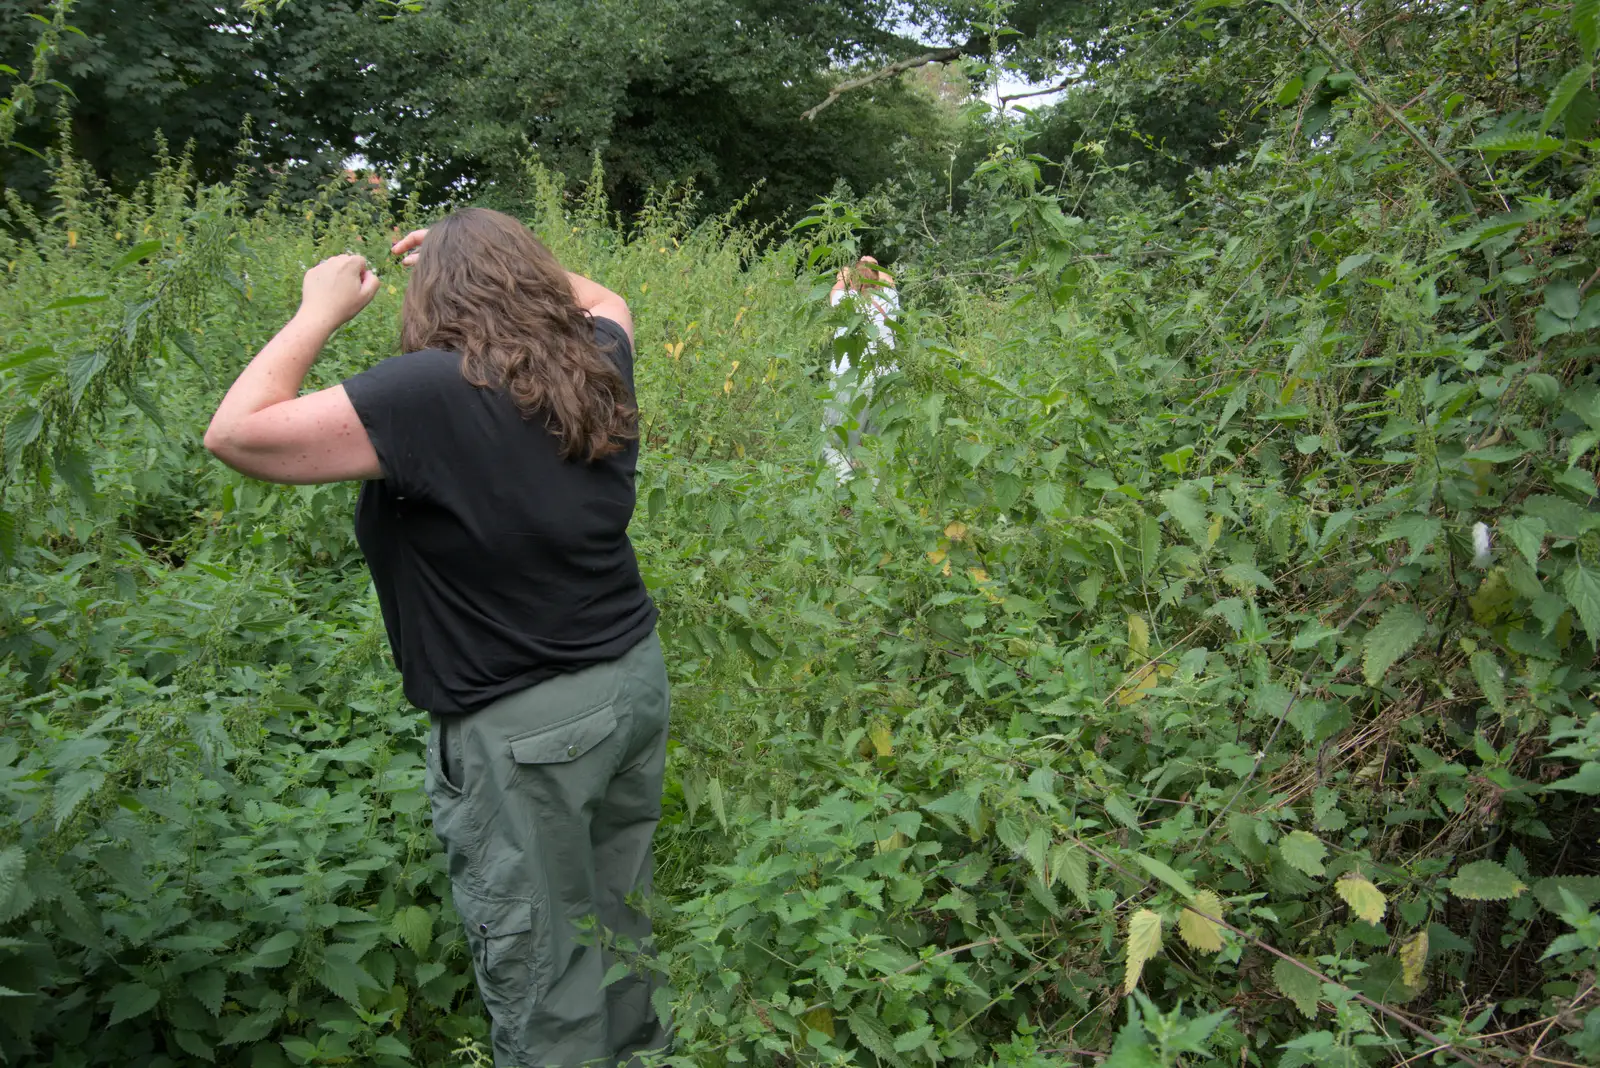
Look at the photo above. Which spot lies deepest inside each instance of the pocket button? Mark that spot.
(572, 750)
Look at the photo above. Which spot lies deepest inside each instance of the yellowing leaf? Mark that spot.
(1139, 683)
(727, 387)
(956, 530)
(72, 239)
(1138, 637)
(1144, 942)
(882, 740)
(978, 574)
(644, 287)
(1202, 934)
(1413, 958)
(817, 1019)
(734, 368)
(897, 840)
(1364, 899)
(674, 349)
(936, 556)
(1214, 531)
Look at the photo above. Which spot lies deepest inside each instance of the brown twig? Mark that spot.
(914, 965)
(974, 46)
(1068, 84)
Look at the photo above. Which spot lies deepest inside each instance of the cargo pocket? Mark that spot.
(565, 742)
(505, 955)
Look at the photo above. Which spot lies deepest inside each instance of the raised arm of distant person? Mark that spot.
(591, 296)
(863, 278)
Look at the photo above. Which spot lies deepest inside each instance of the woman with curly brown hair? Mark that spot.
(498, 457)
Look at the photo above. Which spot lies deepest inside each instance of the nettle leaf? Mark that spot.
(1486, 880)
(1417, 529)
(1246, 578)
(21, 429)
(1586, 780)
(1364, 899)
(874, 1036)
(1069, 863)
(1144, 942)
(1561, 300)
(1132, 1049)
(141, 251)
(1200, 933)
(1138, 637)
(1351, 263)
(130, 1000)
(342, 974)
(1303, 851)
(1048, 497)
(1582, 587)
(912, 1039)
(1562, 95)
(1527, 534)
(1400, 628)
(1586, 24)
(1038, 849)
(413, 926)
(1298, 985)
(1189, 512)
(1165, 874)
(209, 988)
(1490, 675)
(12, 863)
(1231, 611)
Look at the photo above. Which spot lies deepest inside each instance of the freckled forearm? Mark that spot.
(273, 376)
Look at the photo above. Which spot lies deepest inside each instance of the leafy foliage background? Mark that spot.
(1205, 675)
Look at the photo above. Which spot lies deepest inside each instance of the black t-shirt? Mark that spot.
(497, 563)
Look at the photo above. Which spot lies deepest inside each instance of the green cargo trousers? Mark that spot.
(546, 802)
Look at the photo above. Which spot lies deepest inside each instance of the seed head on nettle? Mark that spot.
(1480, 545)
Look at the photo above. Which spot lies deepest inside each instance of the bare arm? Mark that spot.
(263, 427)
(599, 301)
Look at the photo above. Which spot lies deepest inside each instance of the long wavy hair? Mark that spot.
(484, 287)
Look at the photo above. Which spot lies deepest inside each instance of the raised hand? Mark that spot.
(335, 290)
(408, 245)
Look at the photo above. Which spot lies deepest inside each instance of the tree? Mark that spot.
(193, 72)
(702, 90)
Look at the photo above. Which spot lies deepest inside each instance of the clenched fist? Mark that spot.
(335, 290)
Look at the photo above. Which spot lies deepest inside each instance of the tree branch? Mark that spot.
(1068, 84)
(974, 46)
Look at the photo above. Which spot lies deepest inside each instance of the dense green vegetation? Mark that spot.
(1206, 677)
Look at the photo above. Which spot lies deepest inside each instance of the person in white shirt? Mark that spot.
(873, 290)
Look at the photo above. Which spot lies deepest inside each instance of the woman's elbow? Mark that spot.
(222, 441)
(215, 441)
